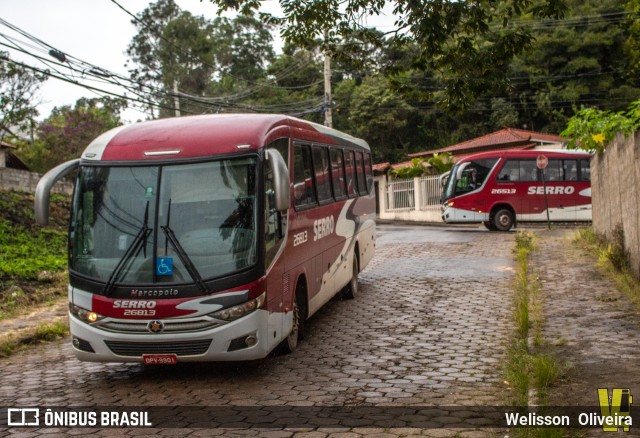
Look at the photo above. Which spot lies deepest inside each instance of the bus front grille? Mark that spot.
(184, 348)
(140, 327)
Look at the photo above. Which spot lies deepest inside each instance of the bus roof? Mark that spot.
(206, 135)
(529, 153)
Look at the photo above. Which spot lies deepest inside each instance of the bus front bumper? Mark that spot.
(451, 215)
(223, 343)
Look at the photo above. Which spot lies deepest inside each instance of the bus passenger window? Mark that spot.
(570, 170)
(585, 170)
(553, 171)
(368, 170)
(349, 165)
(510, 171)
(321, 167)
(337, 173)
(528, 170)
(362, 187)
(303, 190)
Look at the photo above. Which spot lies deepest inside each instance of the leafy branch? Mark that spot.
(592, 129)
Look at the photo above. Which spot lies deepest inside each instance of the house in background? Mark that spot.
(15, 175)
(507, 138)
(8, 159)
(418, 199)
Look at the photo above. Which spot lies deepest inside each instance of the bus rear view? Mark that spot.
(500, 188)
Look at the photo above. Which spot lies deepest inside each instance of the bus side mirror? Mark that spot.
(280, 179)
(43, 189)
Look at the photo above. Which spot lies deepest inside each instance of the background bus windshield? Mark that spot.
(472, 177)
(164, 224)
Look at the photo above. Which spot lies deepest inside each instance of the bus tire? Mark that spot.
(290, 343)
(503, 219)
(351, 289)
(489, 225)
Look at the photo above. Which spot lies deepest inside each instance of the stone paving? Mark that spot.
(429, 327)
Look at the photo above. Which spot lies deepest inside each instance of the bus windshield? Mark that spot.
(467, 176)
(171, 224)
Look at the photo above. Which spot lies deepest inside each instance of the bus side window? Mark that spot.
(362, 186)
(510, 171)
(553, 171)
(528, 170)
(368, 170)
(337, 174)
(585, 170)
(321, 168)
(349, 165)
(304, 192)
(570, 170)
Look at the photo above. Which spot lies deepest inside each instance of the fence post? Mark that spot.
(382, 194)
(417, 194)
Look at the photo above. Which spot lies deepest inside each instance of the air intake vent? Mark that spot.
(187, 348)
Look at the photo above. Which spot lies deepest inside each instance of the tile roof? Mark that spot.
(508, 137)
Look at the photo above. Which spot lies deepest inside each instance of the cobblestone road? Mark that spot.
(429, 327)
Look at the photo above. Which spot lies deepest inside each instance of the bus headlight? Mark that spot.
(84, 315)
(235, 312)
(450, 204)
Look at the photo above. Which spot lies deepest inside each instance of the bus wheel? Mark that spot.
(290, 343)
(351, 290)
(503, 219)
(489, 225)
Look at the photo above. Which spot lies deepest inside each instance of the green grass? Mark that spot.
(525, 369)
(32, 258)
(43, 333)
(612, 260)
(27, 249)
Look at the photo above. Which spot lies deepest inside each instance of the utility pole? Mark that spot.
(176, 99)
(328, 121)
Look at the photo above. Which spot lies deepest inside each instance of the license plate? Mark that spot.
(160, 359)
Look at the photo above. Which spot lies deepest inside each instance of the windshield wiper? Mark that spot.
(182, 254)
(139, 243)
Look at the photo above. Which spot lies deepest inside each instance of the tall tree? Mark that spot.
(448, 33)
(188, 60)
(18, 88)
(172, 51)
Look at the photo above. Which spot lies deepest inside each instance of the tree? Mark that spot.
(415, 169)
(441, 163)
(18, 88)
(189, 60)
(592, 129)
(172, 50)
(68, 131)
(469, 43)
(380, 116)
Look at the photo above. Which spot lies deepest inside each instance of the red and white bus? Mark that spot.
(211, 238)
(501, 188)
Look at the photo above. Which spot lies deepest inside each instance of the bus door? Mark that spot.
(275, 231)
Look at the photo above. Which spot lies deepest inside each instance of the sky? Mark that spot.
(96, 31)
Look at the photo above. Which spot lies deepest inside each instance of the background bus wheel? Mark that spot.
(503, 220)
(351, 290)
(290, 343)
(489, 225)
